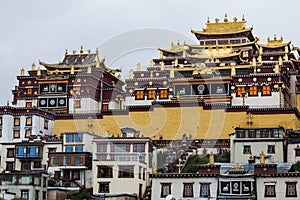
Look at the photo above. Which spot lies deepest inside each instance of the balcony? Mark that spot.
(121, 157)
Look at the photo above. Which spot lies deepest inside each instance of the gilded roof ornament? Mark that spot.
(74, 51)
(66, 53)
(243, 18)
(235, 19)
(81, 49)
(89, 51)
(138, 66)
(225, 18)
(217, 20)
(22, 71)
(97, 51)
(33, 66)
(208, 20)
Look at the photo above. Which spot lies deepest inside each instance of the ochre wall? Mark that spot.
(173, 122)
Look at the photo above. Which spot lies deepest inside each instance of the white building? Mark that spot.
(121, 165)
(246, 142)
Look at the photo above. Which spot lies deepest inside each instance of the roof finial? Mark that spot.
(33, 67)
(275, 37)
(217, 20)
(172, 43)
(66, 53)
(211, 158)
(178, 43)
(97, 51)
(243, 18)
(262, 158)
(81, 49)
(89, 51)
(208, 20)
(268, 38)
(22, 72)
(281, 38)
(74, 51)
(235, 19)
(225, 18)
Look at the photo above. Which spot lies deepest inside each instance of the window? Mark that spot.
(297, 152)
(51, 150)
(120, 148)
(103, 187)
(240, 90)
(105, 106)
(54, 161)
(46, 124)
(10, 166)
(29, 90)
(17, 121)
(252, 134)
(205, 190)
(271, 149)
(105, 171)
(10, 153)
(28, 121)
(138, 147)
(188, 190)
(139, 94)
(266, 90)
(44, 195)
(78, 148)
(25, 194)
(37, 164)
(102, 148)
(126, 172)
(36, 197)
(73, 137)
(165, 189)
(16, 133)
(270, 190)
(140, 172)
(247, 149)
(78, 160)
(291, 189)
(28, 104)
(67, 160)
(163, 94)
(25, 166)
(151, 94)
(0, 121)
(253, 91)
(78, 103)
(76, 174)
(27, 133)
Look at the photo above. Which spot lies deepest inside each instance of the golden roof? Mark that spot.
(275, 43)
(175, 48)
(225, 27)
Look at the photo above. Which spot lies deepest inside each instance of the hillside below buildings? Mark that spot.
(82, 124)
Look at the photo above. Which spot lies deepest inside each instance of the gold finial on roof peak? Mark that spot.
(74, 51)
(33, 66)
(268, 38)
(235, 19)
(208, 20)
(97, 51)
(22, 71)
(217, 20)
(281, 38)
(178, 43)
(81, 49)
(89, 51)
(262, 158)
(172, 43)
(66, 53)
(243, 18)
(211, 159)
(225, 18)
(275, 38)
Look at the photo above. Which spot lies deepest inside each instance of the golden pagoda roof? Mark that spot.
(274, 43)
(175, 48)
(225, 27)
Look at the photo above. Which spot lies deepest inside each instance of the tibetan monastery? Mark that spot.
(229, 79)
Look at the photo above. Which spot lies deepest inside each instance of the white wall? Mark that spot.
(257, 101)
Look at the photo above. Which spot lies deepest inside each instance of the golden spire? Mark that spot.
(131, 74)
(225, 18)
(161, 55)
(39, 72)
(235, 19)
(211, 159)
(97, 51)
(138, 66)
(178, 43)
(280, 61)
(152, 63)
(262, 158)
(74, 51)
(66, 53)
(208, 20)
(243, 18)
(275, 38)
(72, 70)
(81, 49)
(22, 72)
(217, 20)
(89, 51)
(33, 67)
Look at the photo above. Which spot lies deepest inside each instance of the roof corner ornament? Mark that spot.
(33, 66)
(208, 20)
(225, 18)
(243, 18)
(66, 53)
(81, 49)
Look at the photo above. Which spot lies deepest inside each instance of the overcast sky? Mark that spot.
(42, 30)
